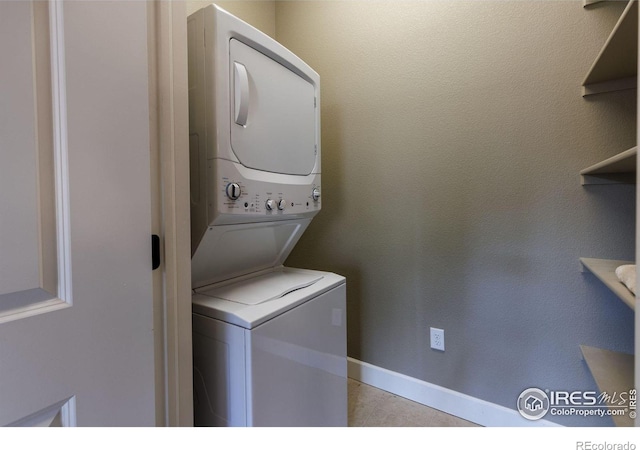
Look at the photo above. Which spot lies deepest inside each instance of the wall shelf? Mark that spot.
(615, 67)
(613, 373)
(619, 169)
(604, 270)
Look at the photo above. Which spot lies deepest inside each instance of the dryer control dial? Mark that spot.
(315, 194)
(233, 191)
(269, 204)
(281, 204)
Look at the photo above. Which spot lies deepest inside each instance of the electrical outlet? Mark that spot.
(437, 339)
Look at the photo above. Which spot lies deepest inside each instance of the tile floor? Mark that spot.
(372, 407)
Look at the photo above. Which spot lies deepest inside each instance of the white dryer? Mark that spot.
(269, 341)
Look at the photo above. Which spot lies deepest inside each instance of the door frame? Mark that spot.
(169, 138)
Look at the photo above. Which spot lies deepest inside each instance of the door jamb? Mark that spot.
(169, 136)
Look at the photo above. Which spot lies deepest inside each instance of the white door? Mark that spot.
(76, 336)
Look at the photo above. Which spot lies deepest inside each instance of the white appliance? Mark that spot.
(269, 341)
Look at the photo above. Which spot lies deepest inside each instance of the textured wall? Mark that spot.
(452, 138)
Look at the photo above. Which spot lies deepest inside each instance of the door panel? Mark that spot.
(270, 102)
(76, 324)
(27, 218)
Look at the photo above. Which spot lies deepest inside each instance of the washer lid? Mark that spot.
(263, 288)
(252, 316)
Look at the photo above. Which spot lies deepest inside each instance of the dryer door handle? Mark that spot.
(241, 88)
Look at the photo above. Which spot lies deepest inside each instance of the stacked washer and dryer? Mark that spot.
(269, 341)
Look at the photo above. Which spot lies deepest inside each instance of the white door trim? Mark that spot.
(170, 124)
(60, 149)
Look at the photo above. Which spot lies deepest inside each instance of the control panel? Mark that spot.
(266, 199)
(238, 195)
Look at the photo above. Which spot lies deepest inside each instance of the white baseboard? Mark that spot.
(461, 405)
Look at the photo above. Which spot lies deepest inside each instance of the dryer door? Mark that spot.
(273, 114)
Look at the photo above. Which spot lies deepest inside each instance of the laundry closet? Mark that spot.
(478, 176)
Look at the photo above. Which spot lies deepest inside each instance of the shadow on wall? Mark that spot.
(320, 232)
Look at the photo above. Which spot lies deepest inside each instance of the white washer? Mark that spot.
(264, 359)
(269, 341)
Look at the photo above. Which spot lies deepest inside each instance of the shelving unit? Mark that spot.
(619, 380)
(604, 270)
(615, 68)
(619, 169)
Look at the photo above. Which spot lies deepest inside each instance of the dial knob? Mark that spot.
(269, 204)
(233, 191)
(315, 194)
(281, 204)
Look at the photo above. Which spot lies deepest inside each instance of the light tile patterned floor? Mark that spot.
(372, 407)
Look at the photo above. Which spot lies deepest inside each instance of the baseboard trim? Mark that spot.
(464, 406)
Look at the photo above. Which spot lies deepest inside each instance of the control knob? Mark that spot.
(315, 194)
(233, 191)
(281, 204)
(269, 204)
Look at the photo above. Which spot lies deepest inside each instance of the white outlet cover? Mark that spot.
(437, 338)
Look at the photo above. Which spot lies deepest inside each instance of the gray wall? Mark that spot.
(452, 138)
